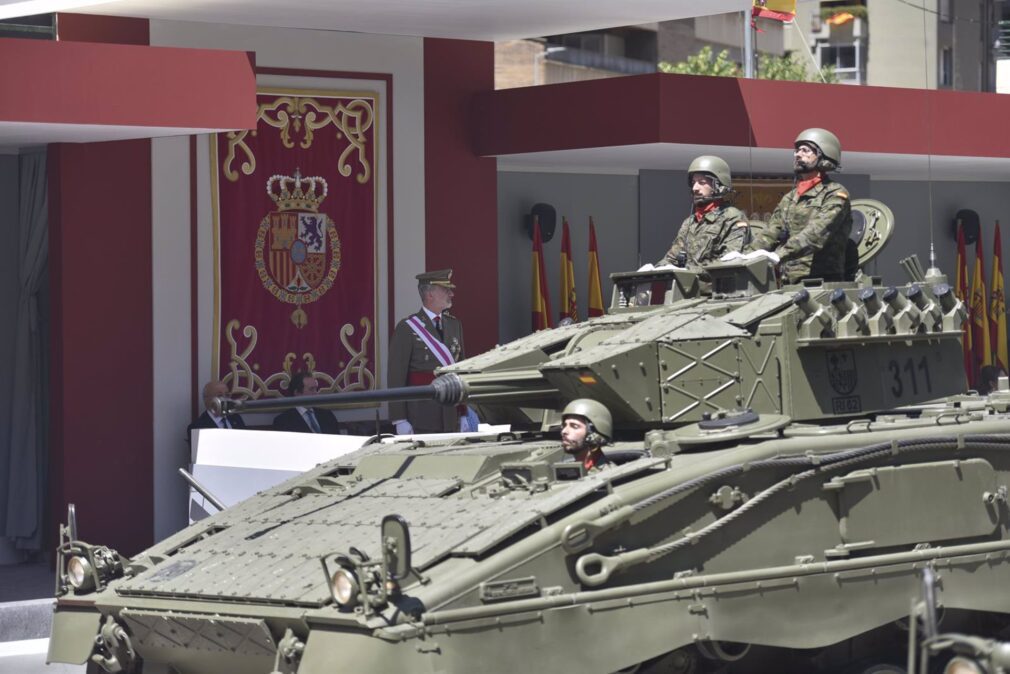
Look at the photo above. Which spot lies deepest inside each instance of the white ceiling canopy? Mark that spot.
(460, 19)
(15, 136)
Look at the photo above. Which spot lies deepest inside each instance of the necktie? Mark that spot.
(313, 424)
(225, 423)
(438, 327)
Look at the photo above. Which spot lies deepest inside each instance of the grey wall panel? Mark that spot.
(612, 200)
(663, 202)
(8, 307)
(910, 201)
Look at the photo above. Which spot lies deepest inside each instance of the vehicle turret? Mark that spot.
(679, 345)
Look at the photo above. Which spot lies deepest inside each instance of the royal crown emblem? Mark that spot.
(297, 247)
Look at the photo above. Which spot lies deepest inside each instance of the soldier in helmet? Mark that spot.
(809, 229)
(586, 428)
(714, 228)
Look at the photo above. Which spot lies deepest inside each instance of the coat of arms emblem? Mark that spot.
(297, 247)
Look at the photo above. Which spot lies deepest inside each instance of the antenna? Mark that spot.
(933, 273)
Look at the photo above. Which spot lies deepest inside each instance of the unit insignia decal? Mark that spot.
(842, 371)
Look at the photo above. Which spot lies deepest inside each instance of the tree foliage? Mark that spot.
(788, 67)
(704, 63)
(770, 67)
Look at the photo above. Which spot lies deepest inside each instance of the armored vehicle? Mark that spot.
(785, 461)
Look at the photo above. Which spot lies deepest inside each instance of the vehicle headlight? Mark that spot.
(79, 573)
(961, 665)
(345, 587)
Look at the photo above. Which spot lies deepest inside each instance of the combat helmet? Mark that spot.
(715, 167)
(827, 145)
(595, 413)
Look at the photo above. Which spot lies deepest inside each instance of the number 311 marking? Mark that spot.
(908, 374)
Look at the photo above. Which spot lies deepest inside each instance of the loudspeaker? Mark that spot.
(547, 217)
(970, 223)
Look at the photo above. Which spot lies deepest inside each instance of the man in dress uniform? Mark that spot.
(209, 419)
(714, 228)
(422, 342)
(810, 227)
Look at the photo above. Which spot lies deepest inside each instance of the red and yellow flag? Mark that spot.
(595, 287)
(997, 307)
(840, 18)
(541, 299)
(979, 312)
(780, 10)
(569, 303)
(961, 289)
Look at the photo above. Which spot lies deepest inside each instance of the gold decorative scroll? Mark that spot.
(299, 118)
(244, 381)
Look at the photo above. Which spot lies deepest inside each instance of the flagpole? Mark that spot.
(748, 45)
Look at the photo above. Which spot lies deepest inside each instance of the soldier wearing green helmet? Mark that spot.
(809, 229)
(714, 228)
(586, 427)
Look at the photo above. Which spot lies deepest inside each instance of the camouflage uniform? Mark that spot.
(720, 231)
(818, 225)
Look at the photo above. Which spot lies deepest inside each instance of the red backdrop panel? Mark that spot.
(460, 187)
(295, 209)
(101, 377)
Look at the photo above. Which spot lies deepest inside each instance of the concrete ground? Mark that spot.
(26, 611)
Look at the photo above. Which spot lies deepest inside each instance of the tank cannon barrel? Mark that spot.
(513, 387)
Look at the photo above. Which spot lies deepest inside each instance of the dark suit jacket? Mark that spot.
(204, 421)
(292, 421)
(407, 353)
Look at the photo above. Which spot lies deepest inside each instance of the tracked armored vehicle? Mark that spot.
(786, 460)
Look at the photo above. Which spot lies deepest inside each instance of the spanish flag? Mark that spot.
(780, 10)
(595, 287)
(997, 307)
(962, 292)
(840, 18)
(569, 304)
(541, 300)
(980, 350)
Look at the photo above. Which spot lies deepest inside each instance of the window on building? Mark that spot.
(39, 27)
(840, 56)
(946, 67)
(847, 58)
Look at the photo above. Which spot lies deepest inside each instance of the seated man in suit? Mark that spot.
(305, 419)
(211, 390)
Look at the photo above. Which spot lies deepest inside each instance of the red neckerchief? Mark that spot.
(700, 211)
(590, 461)
(804, 186)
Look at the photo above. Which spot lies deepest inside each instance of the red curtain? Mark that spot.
(295, 209)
